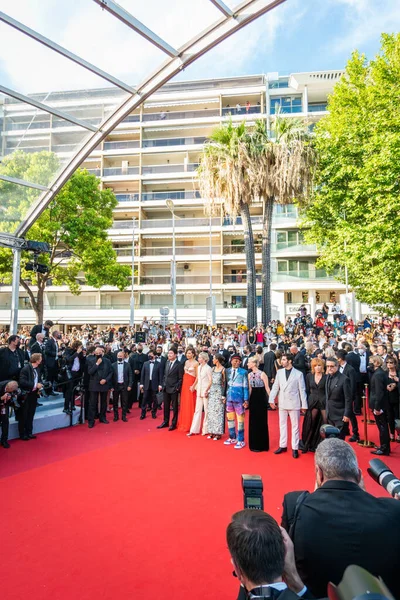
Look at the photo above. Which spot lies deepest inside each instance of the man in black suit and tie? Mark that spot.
(51, 352)
(269, 363)
(41, 328)
(349, 372)
(172, 384)
(161, 360)
(100, 380)
(299, 360)
(30, 382)
(136, 362)
(122, 384)
(151, 379)
(338, 397)
(181, 355)
(361, 529)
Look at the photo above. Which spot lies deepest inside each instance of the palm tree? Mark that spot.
(224, 178)
(281, 170)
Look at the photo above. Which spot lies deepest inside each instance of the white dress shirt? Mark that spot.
(121, 372)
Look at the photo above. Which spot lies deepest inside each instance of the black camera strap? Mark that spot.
(300, 500)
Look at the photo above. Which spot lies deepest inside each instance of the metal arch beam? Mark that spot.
(222, 7)
(64, 52)
(190, 52)
(46, 108)
(28, 184)
(123, 15)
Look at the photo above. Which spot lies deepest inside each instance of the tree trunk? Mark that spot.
(250, 266)
(34, 301)
(266, 315)
(40, 305)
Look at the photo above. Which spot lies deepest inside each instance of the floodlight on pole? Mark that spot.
(171, 207)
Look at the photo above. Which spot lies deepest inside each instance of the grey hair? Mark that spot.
(39, 335)
(337, 460)
(204, 356)
(332, 360)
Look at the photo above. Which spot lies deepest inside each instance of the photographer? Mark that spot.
(73, 363)
(7, 390)
(31, 383)
(262, 556)
(11, 359)
(340, 524)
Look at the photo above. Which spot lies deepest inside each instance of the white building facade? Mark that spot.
(151, 158)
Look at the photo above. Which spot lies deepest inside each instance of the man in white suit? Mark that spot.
(291, 391)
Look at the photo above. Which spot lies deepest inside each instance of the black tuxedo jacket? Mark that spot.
(173, 377)
(351, 374)
(245, 360)
(8, 362)
(354, 360)
(99, 372)
(37, 348)
(299, 363)
(128, 377)
(157, 376)
(38, 329)
(269, 360)
(27, 378)
(182, 358)
(349, 526)
(338, 398)
(51, 352)
(161, 361)
(378, 394)
(136, 362)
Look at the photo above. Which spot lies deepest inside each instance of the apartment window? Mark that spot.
(286, 104)
(294, 267)
(285, 239)
(282, 83)
(289, 298)
(287, 210)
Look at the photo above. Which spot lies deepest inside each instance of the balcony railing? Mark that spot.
(180, 250)
(188, 195)
(287, 110)
(240, 278)
(187, 114)
(131, 119)
(151, 169)
(121, 145)
(109, 171)
(30, 150)
(239, 249)
(228, 221)
(292, 247)
(96, 172)
(188, 141)
(243, 110)
(320, 107)
(199, 222)
(125, 251)
(127, 197)
(122, 225)
(10, 126)
(180, 279)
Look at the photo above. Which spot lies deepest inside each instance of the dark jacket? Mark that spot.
(136, 361)
(37, 348)
(11, 363)
(99, 372)
(378, 394)
(349, 526)
(38, 329)
(354, 360)
(269, 360)
(157, 376)
(299, 363)
(173, 377)
(245, 361)
(351, 374)
(128, 377)
(338, 398)
(162, 361)
(51, 352)
(69, 356)
(27, 378)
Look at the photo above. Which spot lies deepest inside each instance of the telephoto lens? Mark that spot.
(384, 476)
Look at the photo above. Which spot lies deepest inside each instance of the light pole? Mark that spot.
(170, 206)
(132, 301)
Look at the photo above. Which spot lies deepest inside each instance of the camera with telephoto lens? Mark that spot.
(47, 386)
(13, 400)
(329, 431)
(384, 476)
(253, 492)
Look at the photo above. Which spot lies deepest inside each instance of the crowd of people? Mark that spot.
(204, 379)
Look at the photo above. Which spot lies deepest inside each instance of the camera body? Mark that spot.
(253, 492)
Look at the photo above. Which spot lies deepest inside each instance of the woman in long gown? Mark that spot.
(216, 400)
(258, 407)
(315, 416)
(188, 397)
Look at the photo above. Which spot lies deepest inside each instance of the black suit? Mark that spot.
(338, 401)
(136, 362)
(378, 400)
(354, 361)
(26, 413)
(98, 373)
(38, 329)
(11, 363)
(349, 526)
(4, 413)
(269, 363)
(162, 361)
(150, 386)
(362, 380)
(299, 363)
(350, 372)
(121, 389)
(51, 359)
(172, 384)
(245, 360)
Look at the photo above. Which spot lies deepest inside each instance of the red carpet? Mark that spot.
(126, 511)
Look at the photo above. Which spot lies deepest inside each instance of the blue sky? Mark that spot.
(300, 35)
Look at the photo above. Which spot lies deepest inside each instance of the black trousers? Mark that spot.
(52, 374)
(120, 392)
(383, 428)
(26, 414)
(149, 399)
(342, 426)
(93, 405)
(134, 393)
(68, 387)
(171, 399)
(4, 424)
(393, 414)
(360, 389)
(354, 424)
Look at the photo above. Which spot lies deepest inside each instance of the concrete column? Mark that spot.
(312, 301)
(305, 100)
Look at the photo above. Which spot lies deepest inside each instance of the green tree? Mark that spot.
(75, 227)
(354, 215)
(281, 168)
(224, 178)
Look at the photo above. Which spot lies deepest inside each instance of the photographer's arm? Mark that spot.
(290, 574)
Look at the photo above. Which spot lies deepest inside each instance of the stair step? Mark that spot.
(46, 420)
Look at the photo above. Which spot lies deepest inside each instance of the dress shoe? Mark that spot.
(115, 419)
(280, 451)
(154, 415)
(380, 452)
(39, 404)
(32, 437)
(24, 438)
(91, 425)
(295, 454)
(128, 411)
(104, 421)
(163, 424)
(142, 416)
(354, 438)
(125, 420)
(5, 444)
(172, 428)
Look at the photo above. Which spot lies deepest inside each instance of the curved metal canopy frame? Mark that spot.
(232, 21)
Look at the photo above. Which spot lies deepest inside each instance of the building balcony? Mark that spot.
(191, 251)
(120, 171)
(176, 115)
(180, 223)
(123, 145)
(318, 107)
(163, 196)
(181, 280)
(127, 197)
(166, 142)
(242, 111)
(175, 168)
